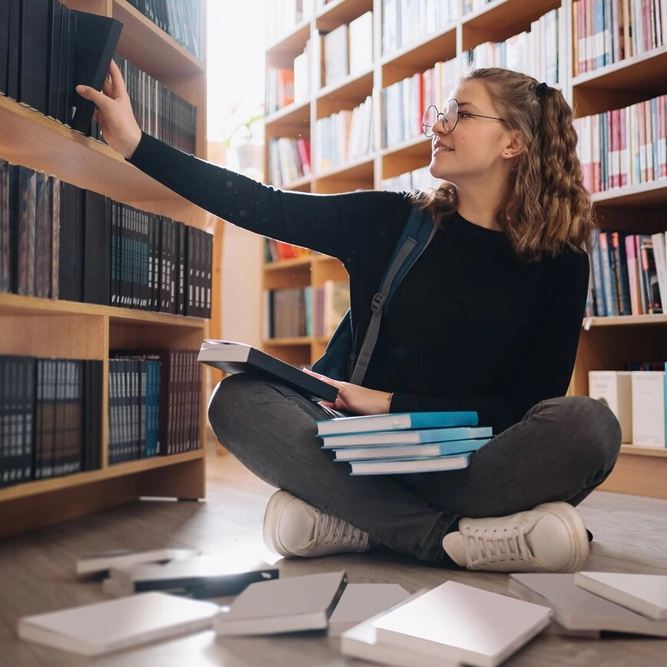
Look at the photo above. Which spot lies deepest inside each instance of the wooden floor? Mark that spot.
(37, 575)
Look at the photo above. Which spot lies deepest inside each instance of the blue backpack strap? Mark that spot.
(417, 234)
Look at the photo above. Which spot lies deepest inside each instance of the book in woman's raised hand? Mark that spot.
(396, 421)
(232, 357)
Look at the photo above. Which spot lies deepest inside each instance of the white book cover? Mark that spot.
(98, 563)
(361, 601)
(463, 624)
(112, 625)
(648, 409)
(645, 594)
(614, 389)
(578, 610)
(405, 466)
(360, 641)
(292, 604)
(361, 43)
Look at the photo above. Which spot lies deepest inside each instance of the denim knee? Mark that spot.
(598, 427)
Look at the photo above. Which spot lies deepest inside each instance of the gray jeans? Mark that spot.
(560, 451)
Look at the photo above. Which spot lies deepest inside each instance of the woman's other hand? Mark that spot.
(356, 399)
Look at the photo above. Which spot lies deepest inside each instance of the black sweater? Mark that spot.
(470, 327)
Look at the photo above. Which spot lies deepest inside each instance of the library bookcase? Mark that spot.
(606, 343)
(45, 327)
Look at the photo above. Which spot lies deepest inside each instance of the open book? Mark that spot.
(232, 357)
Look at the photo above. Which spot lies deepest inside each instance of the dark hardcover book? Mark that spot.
(43, 237)
(53, 58)
(200, 576)
(208, 274)
(95, 40)
(34, 56)
(181, 265)
(232, 357)
(56, 188)
(26, 232)
(70, 205)
(13, 49)
(5, 284)
(97, 242)
(4, 45)
(13, 206)
(621, 265)
(66, 67)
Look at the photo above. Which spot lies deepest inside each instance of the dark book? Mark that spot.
(97, 242)
(66, 84)
(95, 39)
(13, 48)
(232, 357)
(4, 45)
(70, 275)
(26, 232)
(5, 284)
(34, 55)
(199, 577)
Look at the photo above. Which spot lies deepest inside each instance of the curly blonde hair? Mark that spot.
(548, 207)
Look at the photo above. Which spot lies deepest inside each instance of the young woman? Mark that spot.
(487, 319)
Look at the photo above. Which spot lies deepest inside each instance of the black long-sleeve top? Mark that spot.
(470, 327)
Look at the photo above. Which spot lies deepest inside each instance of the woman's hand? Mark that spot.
(114, 113)
(353, 398)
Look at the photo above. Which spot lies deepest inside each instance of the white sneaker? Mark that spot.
(292, 527)
(550, 538)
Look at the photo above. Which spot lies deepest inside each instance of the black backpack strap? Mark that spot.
(418, 233)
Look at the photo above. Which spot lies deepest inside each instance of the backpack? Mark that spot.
(339, 361)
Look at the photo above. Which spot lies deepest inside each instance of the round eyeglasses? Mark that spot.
(449, 117)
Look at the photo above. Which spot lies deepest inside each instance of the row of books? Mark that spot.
(348, 50)
(60, 241)
(639, 401)
(344, 136)
(289, 159)
(417, 179)
(279, 88)
(50, 417)
(47, 50)
(276, 251)
(607, 31)
(400, 443)
(182, 19)
(159, 111)
(306, 311)
(625, 146)
(282, 16)
(154, 403)
(629, 273)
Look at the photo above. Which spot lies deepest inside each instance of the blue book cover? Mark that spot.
(394, 467)
(400, 452)
(396, 422)
(409, 437)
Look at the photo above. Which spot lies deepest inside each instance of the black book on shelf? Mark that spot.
(54, 56)
(95, 40)
(5, 283)
(4, 45)
(97, 248)
(13, 48)
(65, 67)
(34, 56)
(70, 275)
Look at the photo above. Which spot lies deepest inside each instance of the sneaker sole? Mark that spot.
(277, 503)
(577, 529)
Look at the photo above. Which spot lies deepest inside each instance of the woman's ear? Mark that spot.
(514, 147)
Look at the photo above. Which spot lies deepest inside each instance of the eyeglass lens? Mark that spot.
(449, 117)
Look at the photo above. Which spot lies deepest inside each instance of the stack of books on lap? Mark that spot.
(404, 442)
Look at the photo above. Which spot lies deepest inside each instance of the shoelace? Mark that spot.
(493, 545)
(330, 530)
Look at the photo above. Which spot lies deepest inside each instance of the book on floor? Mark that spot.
(645, 594)
(360, 641)
(463, 624)
(405, 437)
(232, 357)
(395, 421)
(391, 452)
(403, 466)
(361, 601)
(292, 604)
(100, 563)
(112, 625)
(578, 610)
(209, 576)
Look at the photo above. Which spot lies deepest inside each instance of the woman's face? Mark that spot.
(475, 149)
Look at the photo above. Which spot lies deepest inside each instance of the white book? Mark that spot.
(361, 43)
(648, 408)
(361, 642)
(396, 421)
(404, 466)
(361, 601)
(293, 604)
(463, 624)
(410, 437)
(101, 562)
(645, 594)
(112, 625)
(614, 389)
(409, 451)
(578, 610)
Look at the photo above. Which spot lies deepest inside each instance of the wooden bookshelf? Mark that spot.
(46, 327)
(606, 343)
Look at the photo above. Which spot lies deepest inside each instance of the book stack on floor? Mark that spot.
(404, 442)
(591, 603)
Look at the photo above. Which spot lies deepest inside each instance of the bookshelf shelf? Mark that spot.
(605, 342)
(43, 327)
(637, 450)
(283, 51)
(296, 341)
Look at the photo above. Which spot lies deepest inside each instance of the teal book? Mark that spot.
(398, 421)
(409, 437)
(404, 466)
(409, 451)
